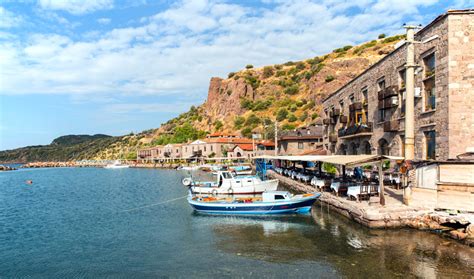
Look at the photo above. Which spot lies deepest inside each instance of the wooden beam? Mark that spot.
(381, 186)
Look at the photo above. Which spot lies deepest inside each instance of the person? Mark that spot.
(358, 173)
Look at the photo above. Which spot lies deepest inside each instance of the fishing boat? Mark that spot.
(227, 183)
(116, 165)
(271, 202)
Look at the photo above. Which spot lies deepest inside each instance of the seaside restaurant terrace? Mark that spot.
(352, 176)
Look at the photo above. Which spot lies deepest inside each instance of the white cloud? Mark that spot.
(76, 7)
(179, 49)
(104, 20)
(146, 108)
(9, 19)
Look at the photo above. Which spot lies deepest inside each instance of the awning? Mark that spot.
(344, 160)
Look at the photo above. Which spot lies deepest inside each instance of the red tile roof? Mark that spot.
(245, 147)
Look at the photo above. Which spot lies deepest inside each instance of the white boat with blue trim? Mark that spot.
(271, 202)
(227, 183)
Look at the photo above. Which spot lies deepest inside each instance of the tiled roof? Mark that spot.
(245, 147)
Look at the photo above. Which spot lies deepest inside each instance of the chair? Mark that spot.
(364, 192)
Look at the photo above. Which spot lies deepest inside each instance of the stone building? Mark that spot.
(301, 140)
(366, 116)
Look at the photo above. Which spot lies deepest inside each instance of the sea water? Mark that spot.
(91, 222)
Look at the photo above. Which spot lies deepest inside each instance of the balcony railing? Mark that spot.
(355, 106)
(388, 103)
(356, 129)
(391, 126)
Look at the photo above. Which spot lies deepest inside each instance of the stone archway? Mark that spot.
(383, 148)
(342, 149)
(366, 148)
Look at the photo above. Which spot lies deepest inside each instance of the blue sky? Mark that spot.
(105, 66)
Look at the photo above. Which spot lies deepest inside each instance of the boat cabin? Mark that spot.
(275, 196)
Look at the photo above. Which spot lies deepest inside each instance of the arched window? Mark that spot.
(384, 149)
(343, 149)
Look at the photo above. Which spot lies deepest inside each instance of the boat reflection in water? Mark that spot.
(340, 246)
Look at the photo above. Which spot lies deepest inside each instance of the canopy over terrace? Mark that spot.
(343, 160)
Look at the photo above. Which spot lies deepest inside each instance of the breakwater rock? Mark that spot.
(49, 164)
(6, 168)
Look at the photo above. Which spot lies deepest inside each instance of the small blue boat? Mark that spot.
(271, 202)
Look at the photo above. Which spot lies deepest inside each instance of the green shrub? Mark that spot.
(249, 66)
(261, 105)
(317, 68)
(293, 107)
(314, 61)
(314, 116)
(291, 90)
(287, 127)
(309, 105)
(231, 74)
(278, 67)
(329, 168)
(229, 92)
(381, 36)
(252, 120)
(281, 114)
(239, 121)
(300, 66)
(303, 116)
(247, 132)
(292, 118)
(307, 75)
(246, 103)
(218, 125)
(199, 118)
(329, 78)
(346, 48)
(289, 63)
(281, 73)
(268, 71)
(393, 38)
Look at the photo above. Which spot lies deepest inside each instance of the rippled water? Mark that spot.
(78, 222)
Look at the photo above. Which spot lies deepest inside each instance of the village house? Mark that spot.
(367, 115)
(250, 150)
(302, 140)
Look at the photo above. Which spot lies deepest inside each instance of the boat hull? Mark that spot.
(300, 206)
(268, 185)
(116, 167)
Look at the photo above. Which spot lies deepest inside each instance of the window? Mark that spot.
(430, 94)
(382, 115)
(341, 104)
(402, 78)
(351, 98)
(279, 197)
(177, 150)
(381, 84)
(430, 140)
(430, 64)
(300, 145)
(211, 148)
(365, 95)
(359, 117)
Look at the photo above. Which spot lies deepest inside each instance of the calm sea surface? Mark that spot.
(77, 222)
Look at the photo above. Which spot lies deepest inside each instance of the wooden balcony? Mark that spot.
(355, 106)
(326, 121)
(356, 130)
(388, 103)
(388, 92)
(391, 126)
(343, 119)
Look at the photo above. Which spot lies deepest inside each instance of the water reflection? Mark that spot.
(351, 249)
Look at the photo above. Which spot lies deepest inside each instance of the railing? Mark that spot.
(391, 126)
(355, 106)
(356, 129)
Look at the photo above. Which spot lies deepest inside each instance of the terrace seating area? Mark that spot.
(348, 184)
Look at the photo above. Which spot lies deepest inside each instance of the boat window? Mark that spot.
(249, 180)
(279, 197)
(237, 181)
(227, 175)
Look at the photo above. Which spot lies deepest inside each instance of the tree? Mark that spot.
(281, 114)
(231, 74)
(218, 125)
(329, 78)
(292, 118)
(268, 71)
(249, 66)
(381, 36)
(247, 132)
(239, 121)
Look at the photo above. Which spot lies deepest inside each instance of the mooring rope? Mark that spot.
(154, 204)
